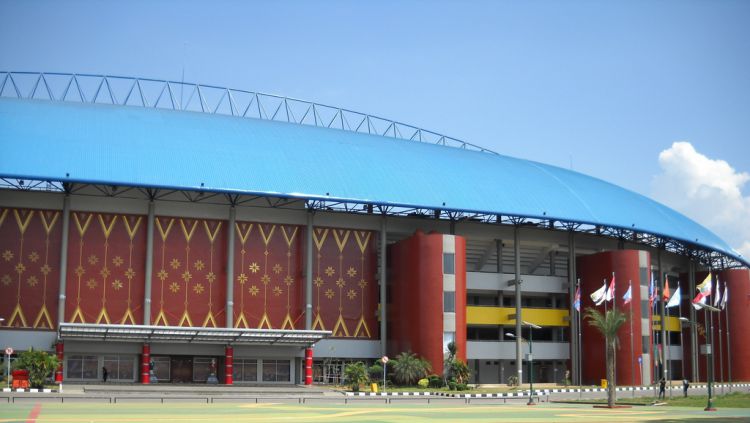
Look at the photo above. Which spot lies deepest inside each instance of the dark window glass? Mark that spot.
(449, 263)
(449, 302)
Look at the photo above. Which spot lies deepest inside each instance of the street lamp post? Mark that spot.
(709, 351)
(529, 360)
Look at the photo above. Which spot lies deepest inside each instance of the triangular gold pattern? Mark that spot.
(49, 218)
(161, 319)
(210, 319)
(242, 321)
(243, 230)
(103, 316)
(43, 317)
(318, 323)
(185, 318)
(362, 325)
(342, 237)
(267, 237)
(289, 237)
(288, 324)
(77, 315)
(188, 233)
(340, 327)
(23, 220)
(264, 322)
(17, 315)
(164, 232)
(128, 318)
(319, 236)
(132, 227)
(107, 227)
(82, 226)
(212, 233)
(2, 216)
(363, 238)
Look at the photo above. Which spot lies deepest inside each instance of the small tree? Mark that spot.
(454, 367)
(39, 364)
(608, 324)
(356, 375)
(408, 369)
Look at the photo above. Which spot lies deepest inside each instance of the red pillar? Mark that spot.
(59, 349)
(228, 365)
(308, 366)
(145, 360)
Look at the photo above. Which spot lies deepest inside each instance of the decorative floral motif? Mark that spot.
(130, 273)
(362, 283)
(288, 280)
(318, 281)
(162, 275)
(352, 294)
(198, 288)
(8, 255)
(330, 271)
(116, 284)
(33, 257)
(253, 267)
(80, 271)
(175, 264)
(253, 290)
(6, 280)
(198, 265)
(330, 294)
(93, 259)
(92, 283)
(352, 272)
(210, 277)
(32, 281)
(20, 268)
(45, 269)
(174, 287)
(277, 268)
(118, 261)
(277, 291)
(340, 282)
(265, 279)
(104, 272)
(242, 278)
(186, 276)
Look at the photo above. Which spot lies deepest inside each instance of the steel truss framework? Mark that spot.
(706, 257)
(173, 95)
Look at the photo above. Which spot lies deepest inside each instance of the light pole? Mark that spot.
(709, 351)
(529, 360)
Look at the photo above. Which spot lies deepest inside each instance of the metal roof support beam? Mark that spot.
(308, 269)
(517, 268)
(149, 262)
(574, 329)
(383, 281)
(230, 265)
(63, 258)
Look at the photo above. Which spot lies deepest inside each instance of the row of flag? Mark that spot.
(607, 293)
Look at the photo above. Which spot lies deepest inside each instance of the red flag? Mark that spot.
(665, 292)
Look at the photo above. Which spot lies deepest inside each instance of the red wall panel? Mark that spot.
(268, 283)
(738, 308)
(593, 270)
(345, 292)
(29, 267)
(189, 279)
(106, 258)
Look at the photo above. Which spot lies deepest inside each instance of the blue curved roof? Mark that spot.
(136, 146)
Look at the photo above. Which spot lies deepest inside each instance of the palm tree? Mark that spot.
(608, 324)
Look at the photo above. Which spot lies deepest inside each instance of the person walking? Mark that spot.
(685, 386)
(105, 374)
(662, 388)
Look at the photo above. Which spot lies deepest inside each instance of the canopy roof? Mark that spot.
(188, 335)
(152, 147)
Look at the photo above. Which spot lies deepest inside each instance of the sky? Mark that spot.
(653, 96)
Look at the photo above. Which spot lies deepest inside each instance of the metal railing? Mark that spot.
(188, 96)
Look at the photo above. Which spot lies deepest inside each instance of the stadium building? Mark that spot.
(270, 240)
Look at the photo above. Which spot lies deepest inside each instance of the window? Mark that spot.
(120, 367)
(202, 368)
(448, 337)
(449, 263)
(276, 371)
(245, 370)
(449, 302)
(483, 333)
(162, 368)
(82, 367)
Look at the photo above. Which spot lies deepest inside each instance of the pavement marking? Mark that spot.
(34, 413)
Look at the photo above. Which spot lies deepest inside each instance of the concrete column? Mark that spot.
(662, 313)
(517, 265)
(229, 363)
(574, 352)
(383, 281)
(149, 262)
(230, 268)
(308, 270)
(693, 328)
(499, 252)
(308, 366)
(63, 260)
(146, 364)
(59, 349)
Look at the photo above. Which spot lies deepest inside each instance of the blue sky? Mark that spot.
(604, 86)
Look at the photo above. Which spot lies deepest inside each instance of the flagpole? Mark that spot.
(721, 353)
(729, 338)
(580, 355)
(614, 355)
(682, 343)
(632, 352)
(669, 352)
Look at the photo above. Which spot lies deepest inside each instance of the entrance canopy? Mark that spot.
(188, 335)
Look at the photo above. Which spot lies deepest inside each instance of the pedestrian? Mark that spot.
(685, 386)
(662, 388)
(105, 373)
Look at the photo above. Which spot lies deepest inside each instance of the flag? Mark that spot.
(665, 292)
(600, 294)
(651, 294)
(611, 291)
(704, 290)
(628, 295)
(717, 296)
(725, 298)
(577, 300)
(676, 298)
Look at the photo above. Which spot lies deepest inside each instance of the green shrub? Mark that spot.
(408, 369)
(40, 365)
(376, 372)
(355, 375)
(462, 387)
(423, 383)
(435, 381)
(452, 385)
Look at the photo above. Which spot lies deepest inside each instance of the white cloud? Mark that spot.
(707, 190)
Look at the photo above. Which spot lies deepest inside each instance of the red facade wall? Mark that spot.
(106, 258)
(268, 282)
(29, 267)
(189, 278)
(416, 293)
(593, 270)
(738, 308)
(345, 292)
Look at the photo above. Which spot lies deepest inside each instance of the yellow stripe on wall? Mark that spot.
(499, 316)
(673, 323)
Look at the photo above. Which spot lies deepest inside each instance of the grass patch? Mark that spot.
(731, 400)
(492, 390)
